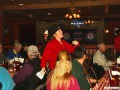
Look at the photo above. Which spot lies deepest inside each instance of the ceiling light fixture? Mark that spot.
(30, 15)
(49, 13)
(107, 31)
(73, 13)
(21, 4)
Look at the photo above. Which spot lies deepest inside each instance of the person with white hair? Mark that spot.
(26, 78)
(100, 58)
(45, 36)
(15, 52)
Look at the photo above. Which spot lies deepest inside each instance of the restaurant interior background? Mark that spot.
(26, 20)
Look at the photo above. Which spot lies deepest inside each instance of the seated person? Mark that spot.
(78, 70)
(100, 58)
(43, 44)
(15, 52)
(26, 78)
(23, 52)
(6, 80)
(2, 56)
(60, 78)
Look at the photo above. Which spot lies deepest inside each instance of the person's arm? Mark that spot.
(9, 55)
(96, 81)
(46, 55)
(93, 80)
(25, 71)
(70, 47)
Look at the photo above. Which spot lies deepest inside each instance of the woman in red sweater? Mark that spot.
(54, 46)
(60, 78)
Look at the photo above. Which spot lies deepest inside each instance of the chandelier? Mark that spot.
(73, 13)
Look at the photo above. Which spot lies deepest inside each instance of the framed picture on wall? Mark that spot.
(67, 35)
(91, 36)
(78, 35)
(84, 36)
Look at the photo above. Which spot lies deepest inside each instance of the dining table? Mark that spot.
(105, 85)
(13, 67)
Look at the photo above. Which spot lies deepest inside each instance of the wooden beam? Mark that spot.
(107, 16)
(62, 17)
(62, 5)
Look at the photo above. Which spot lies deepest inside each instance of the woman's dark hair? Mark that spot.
(117, 31)
(79, 52)
(25, 44)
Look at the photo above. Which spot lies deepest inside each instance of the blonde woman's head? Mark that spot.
(61, 74)
(64, 55)
(63, 63)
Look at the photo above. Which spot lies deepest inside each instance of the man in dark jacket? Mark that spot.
(23, 51)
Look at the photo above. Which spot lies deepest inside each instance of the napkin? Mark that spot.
(40, 74)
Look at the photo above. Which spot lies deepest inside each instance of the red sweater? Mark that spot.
(117, 43)
(51, 52)
(73, 85)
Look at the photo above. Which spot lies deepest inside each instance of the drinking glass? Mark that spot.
(114, 81)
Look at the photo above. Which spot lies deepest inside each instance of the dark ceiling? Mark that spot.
(40, 9)
(29, 2)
